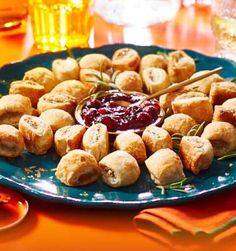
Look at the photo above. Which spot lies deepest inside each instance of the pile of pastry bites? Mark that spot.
(39, 111)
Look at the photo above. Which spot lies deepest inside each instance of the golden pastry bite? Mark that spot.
(73, 88)
(27, 88)
(230, 103)
(12, 107)
(194, 104)
(57, 100)
(37, 134)
(119, 169)
(65, 69)
(165, 167)
(77, 168)
(166, 99)
(11, 141)
(225, 114)
(96, 141)
(196, 153)
(203, 85)
(57, 118)
(133, 144)
(90, 77)
(153, 60)
(156, 138)
(129, 81)
(68, 138)
(180, 66)
(155, 79)
(98, 62)
(42, 76)
(222, 136)
(125, 59)
(178, 123)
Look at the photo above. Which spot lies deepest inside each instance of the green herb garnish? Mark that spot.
(229, 155)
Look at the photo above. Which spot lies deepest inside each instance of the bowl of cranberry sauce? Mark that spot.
(120, 111)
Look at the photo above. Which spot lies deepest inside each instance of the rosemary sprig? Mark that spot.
(182, 186)
(231, 79)
(229, 155)
(164, 54)
(70, 52)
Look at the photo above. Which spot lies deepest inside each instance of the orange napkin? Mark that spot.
(210, 220)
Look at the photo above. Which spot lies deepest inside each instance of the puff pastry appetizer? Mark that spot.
(225, 114)
(37, 134)
(133, 144)
(11, 141)
(119, 169)
(155, 79)
(65, 69)
(153, 60)
(57, 118)
(193, 104)
(156, 138)
(56, 100)
(77, 168)
(203, 85)
(125, 59)
(222, 136)
(73, 88)
(178, 123)
(180, 66)
(196, 153)
(96, 141)
(27, 88)
(129, 81)
(97, 62)
(42, 76)
(12, 107)
(68, 138)
(165, 167)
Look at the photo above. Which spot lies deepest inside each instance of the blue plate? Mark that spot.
(34, 175)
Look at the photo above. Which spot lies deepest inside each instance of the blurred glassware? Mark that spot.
(13, 14)
(224, 27)
(137, 12)
(58, 24)
(190, 2)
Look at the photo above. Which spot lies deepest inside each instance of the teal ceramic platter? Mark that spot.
(34, 175)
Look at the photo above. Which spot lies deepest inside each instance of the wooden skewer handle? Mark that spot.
(175, 87)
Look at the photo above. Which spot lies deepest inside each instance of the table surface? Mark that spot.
(52, 226)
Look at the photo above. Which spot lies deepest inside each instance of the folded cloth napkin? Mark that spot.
(210, 220)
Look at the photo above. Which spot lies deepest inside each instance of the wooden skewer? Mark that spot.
(175, 87)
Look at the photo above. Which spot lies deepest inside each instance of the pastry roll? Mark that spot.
(155, 79)
(42, 76)
(12, 107)
(156, 138)
(193, 104)
(65, 69)
(96, 141)
(37, 134)
(11, 141)
(98, 62)
(125, 59)
(27, 88)
(68, 138)
(196, 153)
(119, 169)
(230, 103)
(222, 136)
(77, 168)
(73, 88)
(180, 66)
(153, 60)
(165, 167)
(133, 144)
(203, 85)
(56, 100)
(225, 114)
(57, 118)
(178, 123)
(129, 81)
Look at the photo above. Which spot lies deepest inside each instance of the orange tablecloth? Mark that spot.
(51, 226)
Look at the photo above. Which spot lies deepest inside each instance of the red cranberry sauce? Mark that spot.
(117, 112)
